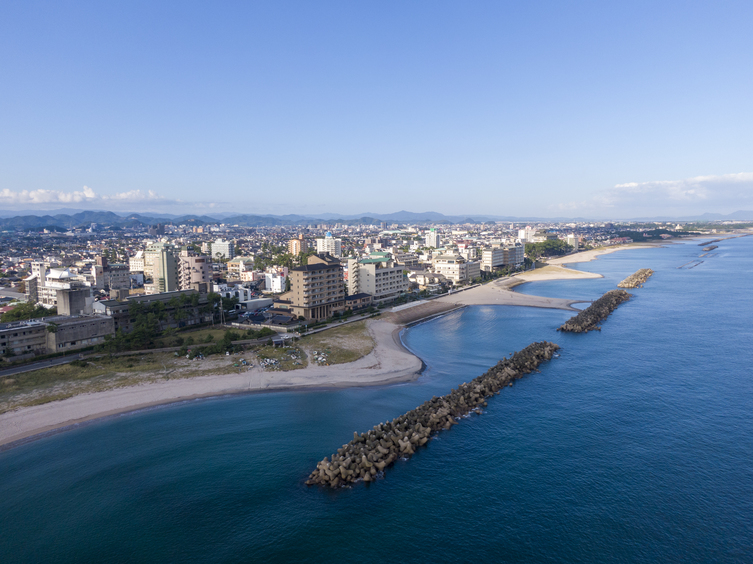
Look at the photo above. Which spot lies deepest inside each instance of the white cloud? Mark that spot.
(720, 194)
(86, 195)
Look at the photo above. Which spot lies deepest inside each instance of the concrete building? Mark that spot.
(527, 235)
(316, 289)
(23, 338)
(408, 260)
(230, 291)
(297, 246)
(110, 276)
(239, 265)
(163, 258)
(379, 275)
(136, 262)
(456, 268)
(274, 282)
(492, 258)
(329, 245)
(192, 270)
(61, 285)
(514, 254)
(77, 332)
(432, 239)
(191, 304)
(223, 249)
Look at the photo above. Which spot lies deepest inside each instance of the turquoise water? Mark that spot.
(636, 445)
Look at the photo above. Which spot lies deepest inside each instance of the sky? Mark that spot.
(605, 110)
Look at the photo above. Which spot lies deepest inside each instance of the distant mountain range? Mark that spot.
(67, 219)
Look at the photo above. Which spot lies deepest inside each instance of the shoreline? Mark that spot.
(389, 363)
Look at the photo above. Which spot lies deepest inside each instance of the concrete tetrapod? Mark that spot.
(369, 453)
(598, 311)
(637, 279)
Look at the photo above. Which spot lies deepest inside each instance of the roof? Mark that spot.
(59, 273)
(313, 267)
(358, 296)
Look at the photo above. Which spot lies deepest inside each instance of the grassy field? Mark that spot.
(99, 374)
(339, 345)
(200, 335)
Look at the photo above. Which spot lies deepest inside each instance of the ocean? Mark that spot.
(635, 445)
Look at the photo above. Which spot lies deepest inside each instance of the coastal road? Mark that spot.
(37, 365)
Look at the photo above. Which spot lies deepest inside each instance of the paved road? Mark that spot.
(37, 365)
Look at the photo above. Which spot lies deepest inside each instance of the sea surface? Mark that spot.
(635, 445)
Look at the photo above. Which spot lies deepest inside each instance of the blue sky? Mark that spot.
(594, 109)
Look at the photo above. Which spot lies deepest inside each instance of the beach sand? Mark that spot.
(389, 362)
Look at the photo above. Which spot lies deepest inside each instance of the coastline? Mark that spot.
(389, 362)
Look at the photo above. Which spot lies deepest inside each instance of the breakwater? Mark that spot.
(370, 453)
(637, 279)
(710, 248)
(588, 319)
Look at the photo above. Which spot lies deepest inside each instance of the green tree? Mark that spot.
(27, 311)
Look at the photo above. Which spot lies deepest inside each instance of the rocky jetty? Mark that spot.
(368, 454)
(598, 311)
(636, 280)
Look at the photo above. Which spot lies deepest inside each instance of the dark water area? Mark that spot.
(636, 445)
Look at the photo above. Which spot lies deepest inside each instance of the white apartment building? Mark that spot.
(227, 291)
(378, 275)
(511, 253)
(329, 245)
(527, 235)
(492, 258)
(136, 262)
(223, 249)
(456, 268)
(274, 282)
(432, 239)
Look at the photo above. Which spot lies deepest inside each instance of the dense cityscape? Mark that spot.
(87, 282)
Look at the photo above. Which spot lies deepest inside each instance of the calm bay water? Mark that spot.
(636, 445)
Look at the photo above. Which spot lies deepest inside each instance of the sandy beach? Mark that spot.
(588, 256)
(389, 362)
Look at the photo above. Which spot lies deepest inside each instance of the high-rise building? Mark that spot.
(161, 263)
(296, 246)
(316, 289)
(432, 239)
(193, 269)
(329, 245)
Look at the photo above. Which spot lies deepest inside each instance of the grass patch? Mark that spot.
(101, 374)
(341, 344)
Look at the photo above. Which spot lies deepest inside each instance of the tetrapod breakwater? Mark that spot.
(368, 454)
(637, 279)
(588, 319)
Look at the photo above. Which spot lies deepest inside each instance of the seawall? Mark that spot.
(368, 454)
